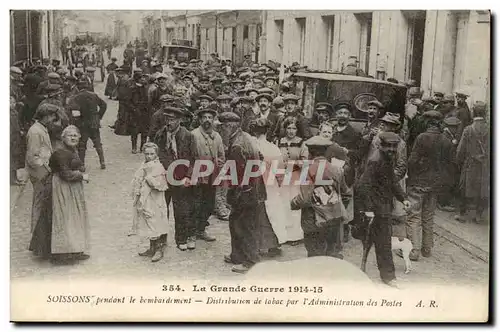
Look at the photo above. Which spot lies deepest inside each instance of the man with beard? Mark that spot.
(374, 195)
(322, 113)
(140, 113)
(176, 143)
(244, 198)
(87, 111)
(291, 109)
(209, 147)
(374, 108)
(426, 170)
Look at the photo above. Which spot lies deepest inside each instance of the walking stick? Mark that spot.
(368, 218)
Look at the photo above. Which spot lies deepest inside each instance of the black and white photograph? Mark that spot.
(250, 165)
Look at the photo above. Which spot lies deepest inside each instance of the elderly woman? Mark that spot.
(70, 225)
(293, 150)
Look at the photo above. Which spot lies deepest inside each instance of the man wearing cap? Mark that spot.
(271, 83)
(89, 76)
(140, 115)
(322, 113)
(237, 86)
(438, 97)
(224, 103)
(208, 147)
(217, 84)
(244, 198)
(344, 133)
(128, 57)
(374, 109)
(203, 89)
(52, 79)
(447, 199)
(110, 89)
(156, 90)
(375, 191)
(123, 94)
(87, 110)
(264, 101)
(158, 117)
(426, 171)
(462, 112)
(176, 143)
(16, 83)
(446, 106)
(248, 61)
(322, 222)
(473, 158)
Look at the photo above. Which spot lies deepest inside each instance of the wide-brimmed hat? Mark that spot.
(264, 95)
(289, 97)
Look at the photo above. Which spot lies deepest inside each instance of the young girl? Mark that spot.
(150, 209)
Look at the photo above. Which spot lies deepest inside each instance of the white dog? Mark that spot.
(405, 246)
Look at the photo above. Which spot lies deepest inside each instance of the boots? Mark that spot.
(143, 140)
(100, 153)
(134, 143)
(160, 244)
(150, 251)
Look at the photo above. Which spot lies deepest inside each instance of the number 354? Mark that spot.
(171, 288)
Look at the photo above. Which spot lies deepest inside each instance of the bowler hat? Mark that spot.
(462, 95)
(438, 94)
(229, 117)
(318, 141)
(449, 98)
(278, 101)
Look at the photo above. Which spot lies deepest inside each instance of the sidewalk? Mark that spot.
(472, 237)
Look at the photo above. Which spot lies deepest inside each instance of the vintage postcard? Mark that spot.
(250, 165)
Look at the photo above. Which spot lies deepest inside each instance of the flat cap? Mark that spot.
(247, 99)
(433, 115)
(245, 75)
(241, 92)
(266, 90)
(138, 70)
(166, 98)
(161, 76)
(264, 95)
(290, 96)
(324, 107)
(318, 141)
(178, 67)
(278, 101)
(389, 138)
(479, 106)
(53, 75)
(175, 111)
(452, 121)
(210, 110)
(16, 70)
(274, 78)
(216, 79)
(439, 94)
(91, 69)
(241, 70)
(229, 117)
(375, 103)
(193, 61)
(206, 97)
(224, 97)
(391, 118)
(449, 97)
(251, 90)
(187, 77)
(429, 100)
(190, 71)
(342, 104)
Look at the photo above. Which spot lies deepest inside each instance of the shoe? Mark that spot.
(240, 268)
(227, 259)
(414, 255)
(182, 246)
(134, 151)
(205, 237)
(103, 166)
(460, 218)
(158, 254)
(82, 257)
(149, 252)
(425, 253)
(392, 283)
(191, 243)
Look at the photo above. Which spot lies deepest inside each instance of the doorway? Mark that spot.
(415, 46)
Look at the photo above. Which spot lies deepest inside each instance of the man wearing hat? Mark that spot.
(244, 198)
(450, 192)
(374, 109)
(238, 85)
(264, 101)
(462, 112)
(374, 192)
(156, 90)
(52, 79)
(426, 172)
(140, 115)
(16, 83)
(271, 83)
(247, 62)
(446, 105)
(344, 133)
(322, 113)
(87, 110)
(249, 111)
(176, 143)
(473, 158)
(224, 102)
(123, 93)
(89, 75)
(112, 79)
(322, 222)
(158, 117)
(217, 84)
(208, 146)
(204, 88)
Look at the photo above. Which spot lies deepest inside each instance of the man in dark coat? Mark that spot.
(158, 117)
(473, 158)
(111, 81)
(291, 107)
(87, 111)
(243, 198)
(140, 113)
(123, 97)
(176, 144)
(373, 195)
(426, 171)
(344, 133)
(462, 112)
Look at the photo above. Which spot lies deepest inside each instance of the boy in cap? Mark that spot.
(177, 143)
(426, 171)
(375, 191)
(322, 211)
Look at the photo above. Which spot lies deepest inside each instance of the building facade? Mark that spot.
(444, 51)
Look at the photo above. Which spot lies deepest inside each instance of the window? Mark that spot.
(365, 24)
(245, 31)
(301, 22)
(330, 35)
(280, 24)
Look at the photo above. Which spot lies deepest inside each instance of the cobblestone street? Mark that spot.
(114, 253)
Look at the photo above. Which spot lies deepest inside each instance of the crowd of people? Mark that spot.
(398, 167)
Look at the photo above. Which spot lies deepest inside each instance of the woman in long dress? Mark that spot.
(150, 209)
(274, 212)
(70, 225)
(292, 150)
